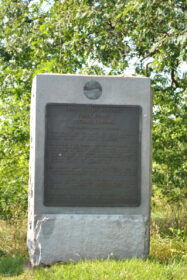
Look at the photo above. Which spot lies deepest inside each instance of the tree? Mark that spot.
(94, 37)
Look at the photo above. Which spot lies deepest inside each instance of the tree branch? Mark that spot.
(173, 80)
(147, 66)
(158, 47)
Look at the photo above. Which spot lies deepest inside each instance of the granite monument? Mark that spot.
(90, 168)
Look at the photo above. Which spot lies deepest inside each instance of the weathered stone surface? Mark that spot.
(73, 237)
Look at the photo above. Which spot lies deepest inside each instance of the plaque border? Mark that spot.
(139, 157)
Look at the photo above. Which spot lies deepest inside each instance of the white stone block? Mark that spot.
(70, 238)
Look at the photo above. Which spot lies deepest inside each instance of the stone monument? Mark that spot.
(90, 168)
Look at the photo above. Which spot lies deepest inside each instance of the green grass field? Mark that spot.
(167, 258)
(110, 270)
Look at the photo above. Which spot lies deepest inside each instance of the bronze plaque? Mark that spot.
(92, 155)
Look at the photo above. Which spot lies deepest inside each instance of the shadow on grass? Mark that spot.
(10, 266)
(2, 253)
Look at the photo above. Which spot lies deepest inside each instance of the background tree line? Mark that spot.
(93, 37)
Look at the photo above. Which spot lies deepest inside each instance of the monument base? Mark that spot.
(68, 238)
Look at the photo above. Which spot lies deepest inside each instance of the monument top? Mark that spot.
(86, 75)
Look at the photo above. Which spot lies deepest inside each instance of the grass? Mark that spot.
(167, 258)
(11, 266)
(13, 238)
(134, 269)
(168, 232)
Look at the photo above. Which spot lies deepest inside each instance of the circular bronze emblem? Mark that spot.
(92, 90)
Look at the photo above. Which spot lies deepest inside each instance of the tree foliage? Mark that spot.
(94, 37)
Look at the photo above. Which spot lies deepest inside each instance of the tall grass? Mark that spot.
(13, 238)
(168, 231)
